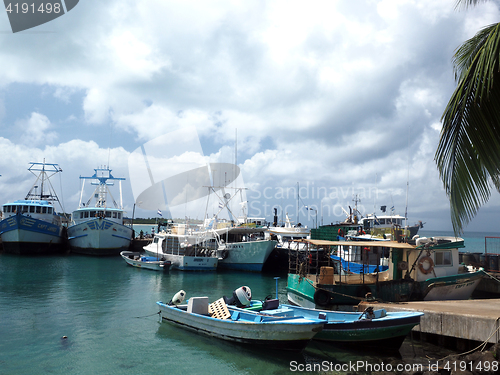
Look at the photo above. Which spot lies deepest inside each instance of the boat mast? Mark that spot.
(103, 175)
(298, 197)
(43, 179)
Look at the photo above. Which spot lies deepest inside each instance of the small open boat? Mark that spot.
(141, 261)
(371, 328)
(270, 330)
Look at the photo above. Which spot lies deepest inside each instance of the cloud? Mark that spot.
(36, 130)
(330, 95)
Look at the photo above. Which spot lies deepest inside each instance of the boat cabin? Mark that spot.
(428, 258)
(38, 209)
(89, 213)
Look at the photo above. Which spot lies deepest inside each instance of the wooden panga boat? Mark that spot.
(372, 328)
(141, 261)
(270, 329)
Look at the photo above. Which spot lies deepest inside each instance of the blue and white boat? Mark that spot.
(183, 255)
(142, 261)
(371, 328)
(97, 226)
(271, 330)
(32, 225)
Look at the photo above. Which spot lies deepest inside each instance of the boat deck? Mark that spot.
(476, 320)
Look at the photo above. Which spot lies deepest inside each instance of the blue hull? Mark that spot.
(25, 235)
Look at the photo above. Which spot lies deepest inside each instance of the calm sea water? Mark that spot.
(108, 312)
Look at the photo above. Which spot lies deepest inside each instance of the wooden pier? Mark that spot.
(464, 322)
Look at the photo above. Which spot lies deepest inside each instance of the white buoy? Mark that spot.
(178, 297)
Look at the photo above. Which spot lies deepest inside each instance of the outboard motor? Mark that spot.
(241, 297)
(178, 298)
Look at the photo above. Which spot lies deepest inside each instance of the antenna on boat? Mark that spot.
(298, 197)
(407, 180)
(355, 213)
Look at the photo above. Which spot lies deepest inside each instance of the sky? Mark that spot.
(335, 99)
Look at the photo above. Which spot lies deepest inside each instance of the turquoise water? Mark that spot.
(108, 312)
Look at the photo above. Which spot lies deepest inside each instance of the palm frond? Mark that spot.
(468, 153)
(467, 3)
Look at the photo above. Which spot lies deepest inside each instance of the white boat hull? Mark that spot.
(295, 299)
(245, 256)
(461, 290)
(183, 262)
(132, 260)
(99, 237)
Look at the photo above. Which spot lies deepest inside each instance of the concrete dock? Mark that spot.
(468, 320)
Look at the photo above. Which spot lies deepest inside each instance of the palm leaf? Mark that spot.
(468, 153)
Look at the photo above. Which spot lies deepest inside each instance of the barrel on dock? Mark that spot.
(493, 262)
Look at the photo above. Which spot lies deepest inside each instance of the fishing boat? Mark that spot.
(135, 259)
(32, 226)
(97, 226)
(428, 270)
(242, 242)
(217, 319)
(286, 237)
(287, 232)
(370, 227)
(184, 256)
(371, 328)
(243, 247)
(237, 244)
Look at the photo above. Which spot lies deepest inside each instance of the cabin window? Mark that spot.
(119, 215)
(92, 214)
(443, 258)
(39, 210)
(32, 209)
(50, 210)
(155, 240)
(114, 215)
(25, 209)
(108, 214)
(86, 214)
(44, 210)
(6, 208)
(399, 221)
(382, 221)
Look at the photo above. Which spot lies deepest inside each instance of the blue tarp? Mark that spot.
(358, 267)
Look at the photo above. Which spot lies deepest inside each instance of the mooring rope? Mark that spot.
(491, 276)
(483, 344)
(147, 316)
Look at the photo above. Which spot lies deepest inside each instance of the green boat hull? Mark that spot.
(304, 292)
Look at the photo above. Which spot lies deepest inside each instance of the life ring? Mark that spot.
(321, 297)
(421, 262)
(341, 233)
